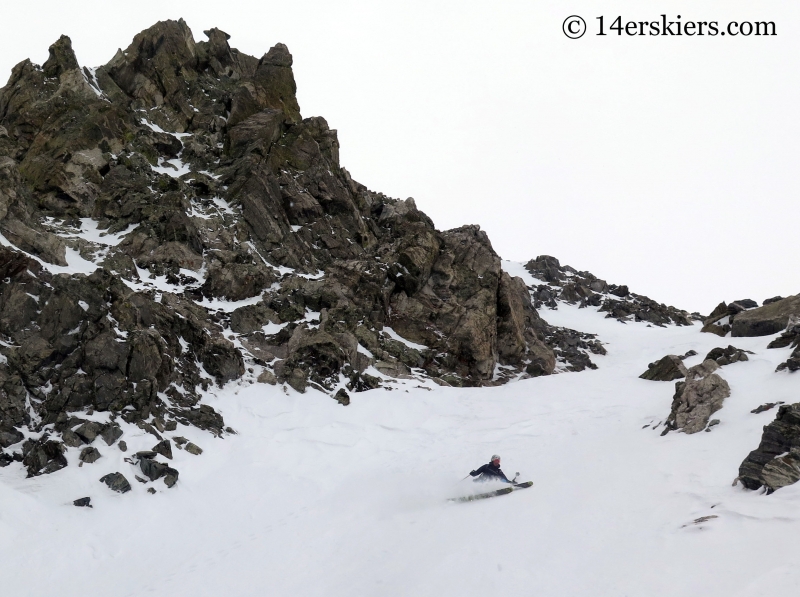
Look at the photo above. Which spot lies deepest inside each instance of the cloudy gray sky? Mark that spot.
(668, 163)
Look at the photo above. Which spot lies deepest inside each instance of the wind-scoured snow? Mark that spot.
(315, 499)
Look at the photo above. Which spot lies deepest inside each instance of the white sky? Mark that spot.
(666, 163)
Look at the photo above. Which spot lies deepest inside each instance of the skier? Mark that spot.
(490, 472)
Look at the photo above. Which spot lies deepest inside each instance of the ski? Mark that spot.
(490, 494)
(482, 496)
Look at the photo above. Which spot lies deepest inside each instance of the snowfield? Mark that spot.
(311, 498)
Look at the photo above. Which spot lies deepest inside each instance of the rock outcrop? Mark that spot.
(776, 461)
(697, 398)
(790, 337)
(768, 319)
(140, 199)
(565, 283)
(720, 321)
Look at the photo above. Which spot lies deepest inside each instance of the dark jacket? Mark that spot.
(489, 472)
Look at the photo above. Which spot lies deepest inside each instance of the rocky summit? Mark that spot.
(170, 222)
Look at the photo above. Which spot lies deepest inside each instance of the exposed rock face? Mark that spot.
(43, 456)
(776, 461)
(242, 198)
(790, 337)
(572, 349)
(720, 321)
(567, 284)
(697, 398)
(666, 369)
(766, 320)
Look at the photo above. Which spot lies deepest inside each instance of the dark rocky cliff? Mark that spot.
(170, 221)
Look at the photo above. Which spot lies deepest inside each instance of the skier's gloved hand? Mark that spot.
(473, 473)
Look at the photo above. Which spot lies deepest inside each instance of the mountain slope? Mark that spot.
(314, 499)
(193, 287)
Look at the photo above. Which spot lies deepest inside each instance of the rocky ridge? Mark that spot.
(566, 284)
(170, 222)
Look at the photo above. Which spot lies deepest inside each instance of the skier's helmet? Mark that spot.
(495, 457)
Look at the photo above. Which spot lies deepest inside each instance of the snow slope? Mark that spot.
(315, 499)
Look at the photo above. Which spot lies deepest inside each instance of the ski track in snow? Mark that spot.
(311, 498)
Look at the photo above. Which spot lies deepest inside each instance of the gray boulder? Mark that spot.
(71, 439)
(342, 397)
(111, 433)
(89, 431)
(697, 398)
(116, 482)
(164, 448)
(193, 449)
(668, 368)
(152, 469)
(170, 477)
(89, 455)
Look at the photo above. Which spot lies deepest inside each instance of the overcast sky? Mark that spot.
(666, 163)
